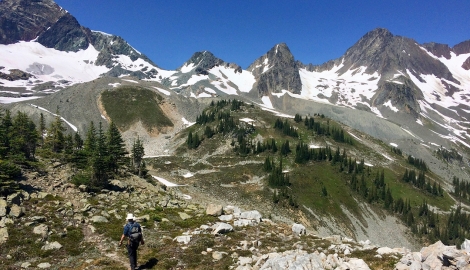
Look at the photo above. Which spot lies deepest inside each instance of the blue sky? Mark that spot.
(169, 32)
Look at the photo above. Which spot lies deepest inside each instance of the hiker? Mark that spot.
(133, 232)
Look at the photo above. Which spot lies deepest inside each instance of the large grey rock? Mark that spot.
(185, 239)
(25, 265)
(254, 215)
(230, 209)
(38, 219)
(299, 229)
(216, 255)
(16, 211)
(14, 198)
(357, 264)
(3, 208)
(466, 245)
(220, 228)
(214, 210)
(52, 246)
(225, 217)
(3, 235)
(41, 229)
(99, 219)
(184, 216)
(243, 222)
(117, 185)
(44, 265)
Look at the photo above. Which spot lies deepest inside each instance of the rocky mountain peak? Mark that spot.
(276, 70)
(25, 20)
(66, 35)
(203, 61)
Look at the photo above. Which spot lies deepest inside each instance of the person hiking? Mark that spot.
(133, 232)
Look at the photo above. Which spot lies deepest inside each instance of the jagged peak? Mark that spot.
(201, 62)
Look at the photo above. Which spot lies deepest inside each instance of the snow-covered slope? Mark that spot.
(51, 69)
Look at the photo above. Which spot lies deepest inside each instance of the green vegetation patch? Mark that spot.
(127, 105)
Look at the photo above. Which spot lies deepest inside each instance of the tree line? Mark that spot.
(96, 159)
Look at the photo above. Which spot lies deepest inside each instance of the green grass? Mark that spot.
(127, 105)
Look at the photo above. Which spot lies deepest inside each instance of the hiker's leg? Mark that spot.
(135, 257)
(132, 256)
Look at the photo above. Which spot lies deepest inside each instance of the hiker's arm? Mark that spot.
(122, 238)
(142, 240)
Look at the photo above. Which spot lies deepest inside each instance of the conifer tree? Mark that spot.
(42, 128)
(116, 147)
(100, 159)
(23, 136)
(137, 156)
(90, 140)
(55, 135)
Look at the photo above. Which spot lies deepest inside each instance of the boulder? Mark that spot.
(3, 235)
(220, 228)
(230, 209)
(254, 215)
(14, 199)
(16, 211)
(299, 229)
(52, 246)
(465, 245)
(4, 221)
(38, 219)
(99, 219)
(44, 265)
(226, 217)
(117, 185)
(3, 208)
(185, 239)
(25, 265)
(243, 222)
(357, 264)
(41, 229)
(214, 210)
(184, 216)
(83, 188)
(216, 255)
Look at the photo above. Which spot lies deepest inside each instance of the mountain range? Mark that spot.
(388, 86)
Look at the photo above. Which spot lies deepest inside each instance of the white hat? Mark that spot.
(130, 216)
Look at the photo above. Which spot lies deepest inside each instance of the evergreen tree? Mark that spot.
(23, 136)
(137, 156)
(5, 129)
(100, 160)
(55, 135)
(42, 128)
(116, 147)
(90, 140)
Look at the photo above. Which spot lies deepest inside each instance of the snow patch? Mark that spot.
(247, 120)
(187, 123)
(163, 91)
(187, 68)
(114, 84)
(187, 175)
(394, 144)
(267, 102)
(389, 104)
(166, 182)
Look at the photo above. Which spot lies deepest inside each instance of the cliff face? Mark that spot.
(275, 71)
(25, 20)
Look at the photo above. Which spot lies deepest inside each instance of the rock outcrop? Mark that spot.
(275, 71)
